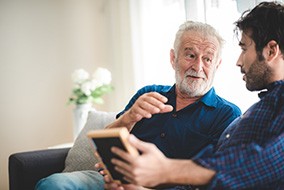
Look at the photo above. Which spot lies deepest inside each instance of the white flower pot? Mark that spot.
(80, 114)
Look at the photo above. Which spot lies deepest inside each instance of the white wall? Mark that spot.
(41, 44)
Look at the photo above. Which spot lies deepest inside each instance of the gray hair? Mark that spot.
(204, 29)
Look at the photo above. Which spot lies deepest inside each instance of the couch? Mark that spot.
(26, 168)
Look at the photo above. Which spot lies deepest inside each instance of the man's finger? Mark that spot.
(140, 145)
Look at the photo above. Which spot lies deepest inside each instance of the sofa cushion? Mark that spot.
(81, 155)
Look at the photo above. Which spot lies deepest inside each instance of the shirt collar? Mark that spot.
(208, 99)
(270, 87)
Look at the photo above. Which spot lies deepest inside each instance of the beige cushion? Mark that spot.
(81, 155)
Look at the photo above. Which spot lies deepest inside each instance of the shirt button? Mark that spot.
(228, 136)
(174, 115)
(163, 135)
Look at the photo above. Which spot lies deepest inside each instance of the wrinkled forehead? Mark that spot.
(200, 41)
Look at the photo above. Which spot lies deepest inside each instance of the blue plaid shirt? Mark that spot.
(255, 159)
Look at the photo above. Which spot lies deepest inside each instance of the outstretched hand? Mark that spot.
(144, 107)
(147, 105)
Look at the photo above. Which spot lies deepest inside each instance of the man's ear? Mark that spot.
(271, 50)
(172, 59)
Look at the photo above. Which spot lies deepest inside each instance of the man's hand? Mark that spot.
(152, 168)
(114, 185)
(145, 170)
(144, 107)
(147, 105)
(110, 185)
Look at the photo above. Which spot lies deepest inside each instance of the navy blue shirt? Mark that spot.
(183, 133)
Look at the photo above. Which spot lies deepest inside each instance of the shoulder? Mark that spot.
(153, 88)
(228, 106)
(221, 105)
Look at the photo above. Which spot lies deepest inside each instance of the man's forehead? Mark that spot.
(200, 40)
(245, 39)
(202, 36)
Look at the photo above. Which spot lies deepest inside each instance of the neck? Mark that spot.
(183, 100)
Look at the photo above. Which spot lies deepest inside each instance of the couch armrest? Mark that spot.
(26, 168)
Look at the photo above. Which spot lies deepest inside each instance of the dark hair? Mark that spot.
(264, 23)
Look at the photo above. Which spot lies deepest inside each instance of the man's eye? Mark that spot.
(208, 60)
(191, 56)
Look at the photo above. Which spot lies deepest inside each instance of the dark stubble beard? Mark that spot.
(258, 75)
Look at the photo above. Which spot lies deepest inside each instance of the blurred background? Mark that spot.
(43, 42)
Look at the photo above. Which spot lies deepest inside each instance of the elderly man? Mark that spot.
(180, 119)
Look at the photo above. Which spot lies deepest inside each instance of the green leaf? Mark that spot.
(78, 97)
(98, 101)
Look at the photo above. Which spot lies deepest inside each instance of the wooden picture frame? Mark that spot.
(103, 140)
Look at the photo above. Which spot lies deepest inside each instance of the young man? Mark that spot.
(180, 119)
(249, 154)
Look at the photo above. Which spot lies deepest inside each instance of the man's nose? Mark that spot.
(239, 61)
(198, 65)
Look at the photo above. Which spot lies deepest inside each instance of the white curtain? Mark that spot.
(153, 28)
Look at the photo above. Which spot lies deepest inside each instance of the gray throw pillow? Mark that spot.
(81, 155)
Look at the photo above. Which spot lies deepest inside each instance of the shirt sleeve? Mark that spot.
(249, 166)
